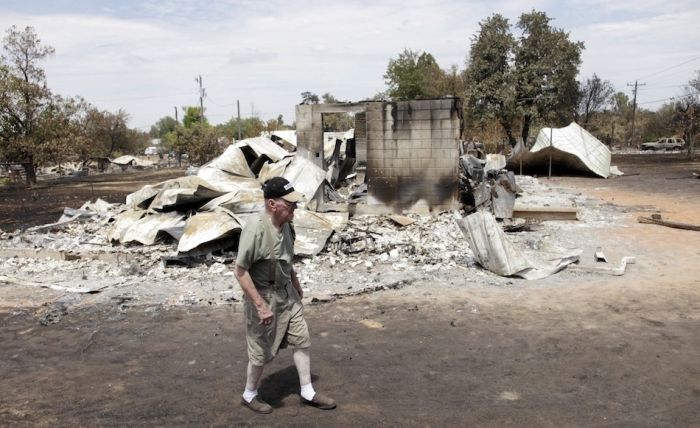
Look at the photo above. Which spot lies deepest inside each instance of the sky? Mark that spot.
(144, 56)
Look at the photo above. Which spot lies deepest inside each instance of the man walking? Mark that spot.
(273, 311)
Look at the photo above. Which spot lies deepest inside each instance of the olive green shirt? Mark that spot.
(254, 252)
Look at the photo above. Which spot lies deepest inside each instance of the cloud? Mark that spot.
(143, 55)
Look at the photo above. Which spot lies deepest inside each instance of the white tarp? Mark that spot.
(574, 141)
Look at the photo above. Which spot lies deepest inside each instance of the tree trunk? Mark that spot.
(508, 129)
(30, 172)
(526, 128)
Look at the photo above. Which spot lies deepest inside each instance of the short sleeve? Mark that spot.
(246, 246)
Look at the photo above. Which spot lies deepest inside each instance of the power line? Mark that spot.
(657, 101)
(139, 98)
(670, 68)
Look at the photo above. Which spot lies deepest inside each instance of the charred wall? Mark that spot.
(412, 153)
(411, 149)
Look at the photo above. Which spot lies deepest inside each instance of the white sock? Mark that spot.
(248, 395)
(307, 391)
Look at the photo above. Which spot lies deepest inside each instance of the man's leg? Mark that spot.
(302, 361)
(252, 381)
(250, 395)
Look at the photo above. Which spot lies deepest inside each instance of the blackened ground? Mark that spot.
(589, 350)
(22, 206)
(451, 356)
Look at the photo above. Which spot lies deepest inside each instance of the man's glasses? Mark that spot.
(288, 204)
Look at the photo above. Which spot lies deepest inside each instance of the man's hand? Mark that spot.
(265, 314)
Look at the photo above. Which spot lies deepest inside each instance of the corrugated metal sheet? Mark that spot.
(265, 146)
(575, 141)
(207, 227)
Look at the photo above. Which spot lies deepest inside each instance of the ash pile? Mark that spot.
(182, 234)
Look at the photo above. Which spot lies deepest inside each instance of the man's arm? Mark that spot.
(246, 283)
(295, 283)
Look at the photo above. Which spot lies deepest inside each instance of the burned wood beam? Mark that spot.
(545, 213)
(673, 224)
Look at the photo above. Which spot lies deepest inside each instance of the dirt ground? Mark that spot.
(23, 206)
(569, 350)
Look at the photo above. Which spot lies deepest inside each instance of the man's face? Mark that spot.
(283, 210)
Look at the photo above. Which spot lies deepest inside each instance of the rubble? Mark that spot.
(174, 241)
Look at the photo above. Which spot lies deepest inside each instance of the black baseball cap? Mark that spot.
(279, 187)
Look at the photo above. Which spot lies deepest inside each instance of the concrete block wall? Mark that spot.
(410, 149)
(361, 138)
(412, 154)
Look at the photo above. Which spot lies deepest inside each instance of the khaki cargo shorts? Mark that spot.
(288, 328)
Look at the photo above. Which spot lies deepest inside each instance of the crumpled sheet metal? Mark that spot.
(225, 182)
(240, 201)
(206, 227)
(200, 192)
(313, 230)
(305, 176)
(288, 135)
(264, 146)
(574, 145)
(495, 252)
(123, 160)
(143, 198)
(146, 229)
(233, 161)
(273, 169)
(123, 223)
(494, 162)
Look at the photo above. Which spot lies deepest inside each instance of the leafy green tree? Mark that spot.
(24, 96)
(524, 81)
(193, 115)
(250, 127)
(63, 131)
(199, 142)
(163, 126)
(309, 98)
(110, 133)
(490, 93)
(594, 94)
(414, 75)
(336, 122)
(688, 113)
(546, 65)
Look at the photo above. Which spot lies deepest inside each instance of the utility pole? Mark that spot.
(176, 115)
(238, 106)
(202, 95)
(634, 106)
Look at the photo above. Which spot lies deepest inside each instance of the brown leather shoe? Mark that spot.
(320, 401)
(257, 405)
